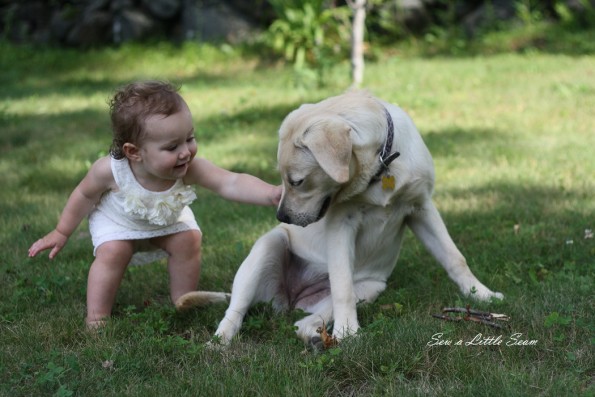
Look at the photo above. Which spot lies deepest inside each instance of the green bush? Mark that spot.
(309, 36)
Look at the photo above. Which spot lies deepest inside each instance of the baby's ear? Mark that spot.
(131, 152)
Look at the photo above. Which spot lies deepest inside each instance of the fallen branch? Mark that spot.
(472, 315)
(477, 313)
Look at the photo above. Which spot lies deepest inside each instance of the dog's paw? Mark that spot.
(200, 299)
(342, 332)
(316, 344)
(217, 343)
(484, 294)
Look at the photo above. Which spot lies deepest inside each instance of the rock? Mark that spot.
(131, 25)
(162, 9)
(219, 22)
(93, 29)
(486, 13)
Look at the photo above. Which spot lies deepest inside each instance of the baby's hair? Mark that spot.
(133, 104)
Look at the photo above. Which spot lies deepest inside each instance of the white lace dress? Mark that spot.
(135, 213)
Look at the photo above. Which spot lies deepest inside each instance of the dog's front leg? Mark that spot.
(428, 226)
(341, 234)
(255, 281)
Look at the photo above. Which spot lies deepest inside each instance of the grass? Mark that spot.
(512, 139)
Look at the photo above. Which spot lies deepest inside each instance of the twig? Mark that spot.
(476, 313)
(447, 318)
(483, 321)
(472, 315)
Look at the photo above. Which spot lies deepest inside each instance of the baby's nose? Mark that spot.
(185, 152)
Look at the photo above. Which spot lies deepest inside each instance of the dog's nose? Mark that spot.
(282, 216)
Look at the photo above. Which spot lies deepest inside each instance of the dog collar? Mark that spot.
(385, 155)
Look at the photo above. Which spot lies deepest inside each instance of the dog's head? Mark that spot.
(314, 158)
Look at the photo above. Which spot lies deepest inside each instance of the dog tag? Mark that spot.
(388, 182)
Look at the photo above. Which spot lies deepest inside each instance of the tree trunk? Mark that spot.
(357, 40)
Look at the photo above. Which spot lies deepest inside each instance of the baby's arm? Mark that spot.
(81, 201)
(243, 188)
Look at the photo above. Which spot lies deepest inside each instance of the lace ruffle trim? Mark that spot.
(163, 211)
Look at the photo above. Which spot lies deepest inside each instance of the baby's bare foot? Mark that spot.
(95, 325)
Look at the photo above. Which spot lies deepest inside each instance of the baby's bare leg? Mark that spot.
(105, 275)
(184, 261)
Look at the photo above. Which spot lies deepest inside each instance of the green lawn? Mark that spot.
(513, 141)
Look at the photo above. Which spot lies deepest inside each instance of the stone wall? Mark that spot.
(86, 23)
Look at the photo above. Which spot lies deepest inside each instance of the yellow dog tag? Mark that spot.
(388, 182)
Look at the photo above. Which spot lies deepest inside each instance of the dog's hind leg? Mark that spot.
(428, 226)
(308, 328)
(256, 280)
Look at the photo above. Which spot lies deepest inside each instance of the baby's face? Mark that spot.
(168, 145)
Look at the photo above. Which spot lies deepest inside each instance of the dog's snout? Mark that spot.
(293, 219)
(285, 214)
(282, 216)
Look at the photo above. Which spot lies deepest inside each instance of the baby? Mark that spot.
(137, 197)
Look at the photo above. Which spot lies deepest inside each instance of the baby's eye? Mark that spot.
(171, 148)
(190, 139)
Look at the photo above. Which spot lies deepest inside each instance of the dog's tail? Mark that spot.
(201, 299)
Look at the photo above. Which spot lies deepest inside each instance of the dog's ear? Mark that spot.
(330, 143)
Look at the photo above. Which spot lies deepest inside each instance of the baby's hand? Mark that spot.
(54, 240)
(276, 195)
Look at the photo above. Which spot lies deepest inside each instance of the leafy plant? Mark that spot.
(554, 318)
(310, 36)
(529, 12)
(582, 16)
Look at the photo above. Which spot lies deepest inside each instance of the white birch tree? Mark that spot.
(357, 40)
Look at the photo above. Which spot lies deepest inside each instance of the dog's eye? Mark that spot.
(295, 183)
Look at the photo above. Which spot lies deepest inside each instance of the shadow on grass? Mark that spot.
(86, 135)
(524, 221)
(449, 142)
(259, 120)
(517, 238)
(57, 83)
(32, 71)
(504, 259)
(545, 214)
(60, 129)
